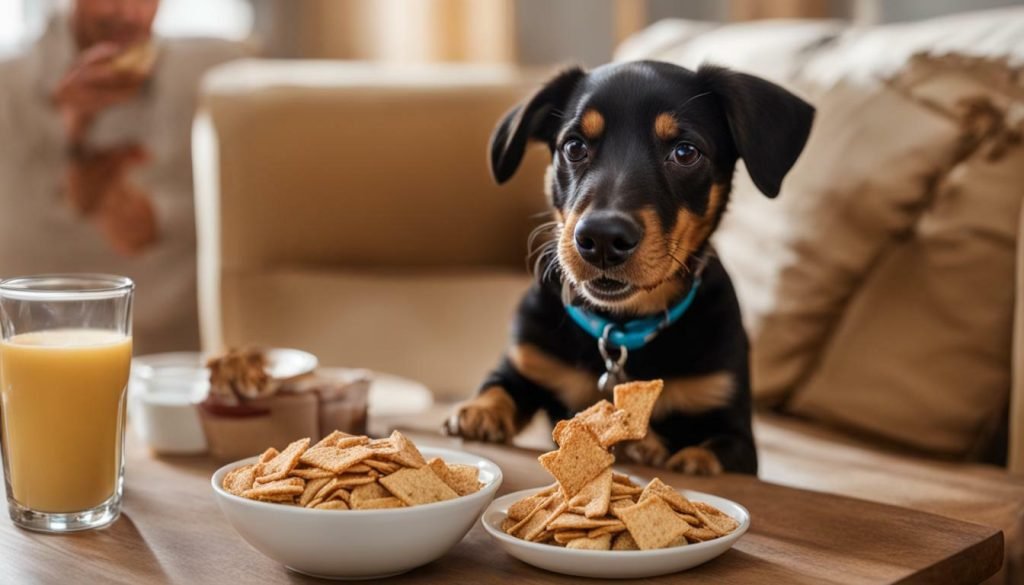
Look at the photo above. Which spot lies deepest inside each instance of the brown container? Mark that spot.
(309, 406)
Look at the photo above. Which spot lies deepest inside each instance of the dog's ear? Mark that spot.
(769, 125)
(536, 118)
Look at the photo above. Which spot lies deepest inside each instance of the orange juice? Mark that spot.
(63, 416)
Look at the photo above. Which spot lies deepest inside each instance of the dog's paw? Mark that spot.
(695, 461)
(491, 417)
(647, 451)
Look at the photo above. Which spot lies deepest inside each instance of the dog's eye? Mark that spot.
(685, 154)
(575, 150)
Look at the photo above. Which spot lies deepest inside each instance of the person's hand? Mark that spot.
(126, 219)
(91, 85)
(90, 176)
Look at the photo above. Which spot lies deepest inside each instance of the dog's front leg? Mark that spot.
(735, 453)
(489, 416)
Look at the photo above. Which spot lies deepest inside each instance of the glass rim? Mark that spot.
(66, 287)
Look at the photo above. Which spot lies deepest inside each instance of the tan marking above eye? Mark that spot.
(592, 124)
(666, 127)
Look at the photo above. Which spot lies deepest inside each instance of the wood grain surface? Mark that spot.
(172, 532)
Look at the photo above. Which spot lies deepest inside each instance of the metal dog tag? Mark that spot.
(615, 372)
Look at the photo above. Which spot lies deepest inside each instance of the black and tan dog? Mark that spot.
(642, 162)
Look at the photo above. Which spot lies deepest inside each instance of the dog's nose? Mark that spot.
(607, 238)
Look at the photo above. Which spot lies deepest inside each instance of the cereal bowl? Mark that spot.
(358, 544)
(615, 564)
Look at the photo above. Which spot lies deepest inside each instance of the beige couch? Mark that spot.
(348, 210)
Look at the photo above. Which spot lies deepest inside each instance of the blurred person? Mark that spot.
(95, 159)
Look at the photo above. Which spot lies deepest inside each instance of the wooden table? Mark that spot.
(172, 532)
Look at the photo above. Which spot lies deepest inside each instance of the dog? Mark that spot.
(628, 287)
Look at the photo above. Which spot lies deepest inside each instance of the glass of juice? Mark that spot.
(65, 356)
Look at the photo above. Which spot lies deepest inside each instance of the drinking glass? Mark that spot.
(65, 356)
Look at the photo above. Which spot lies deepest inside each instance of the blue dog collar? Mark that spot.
(633, 334)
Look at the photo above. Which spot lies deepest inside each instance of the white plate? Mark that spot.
(358, 544)
(624, 564)
(283, 364)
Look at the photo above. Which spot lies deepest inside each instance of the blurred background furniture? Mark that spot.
(347, 210)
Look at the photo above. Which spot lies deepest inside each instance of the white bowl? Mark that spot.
(358, 544)
(624, 564)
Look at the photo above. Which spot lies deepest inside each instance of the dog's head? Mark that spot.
(642, 158)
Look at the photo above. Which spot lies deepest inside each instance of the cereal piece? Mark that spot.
(537, 517)
(380, 444)
(267, 455)
(278, 499)
(577, 522)
(278, 467)
(359, 468)
(383, 467)
(313, 486)
(607, 423)
(525, 506)
(403, 452)
(380, 504)
(610, 529)
(369, 491)
(617, 505)
(418, 486)
(349, 442)
(540, 533)
(291, 486)
(507, 524)
(679, 541)
(330, 440)
(332, 505)
(239, 479)
(602, 542)
(691, 520)
(464, 479)
(309, 473)
(637, 399)
(565, 536)
(624, 541)
(700, 535)
(558, 430)
(579, 460)
(351, 480)
(335, 460)
(343, 495)
(328, 489)
(622, 478)
(619, 489)
(673, 498)
(715, 519)
(314, 503)
(652, 523)
(595, 496)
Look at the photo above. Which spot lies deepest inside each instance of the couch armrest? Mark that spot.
(1015, 463)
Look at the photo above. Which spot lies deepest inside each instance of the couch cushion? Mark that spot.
(922, 352)
(443, 329)
(809, 456)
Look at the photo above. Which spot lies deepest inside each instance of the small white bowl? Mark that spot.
(162, 394)
(624, 564)
(358, 544)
